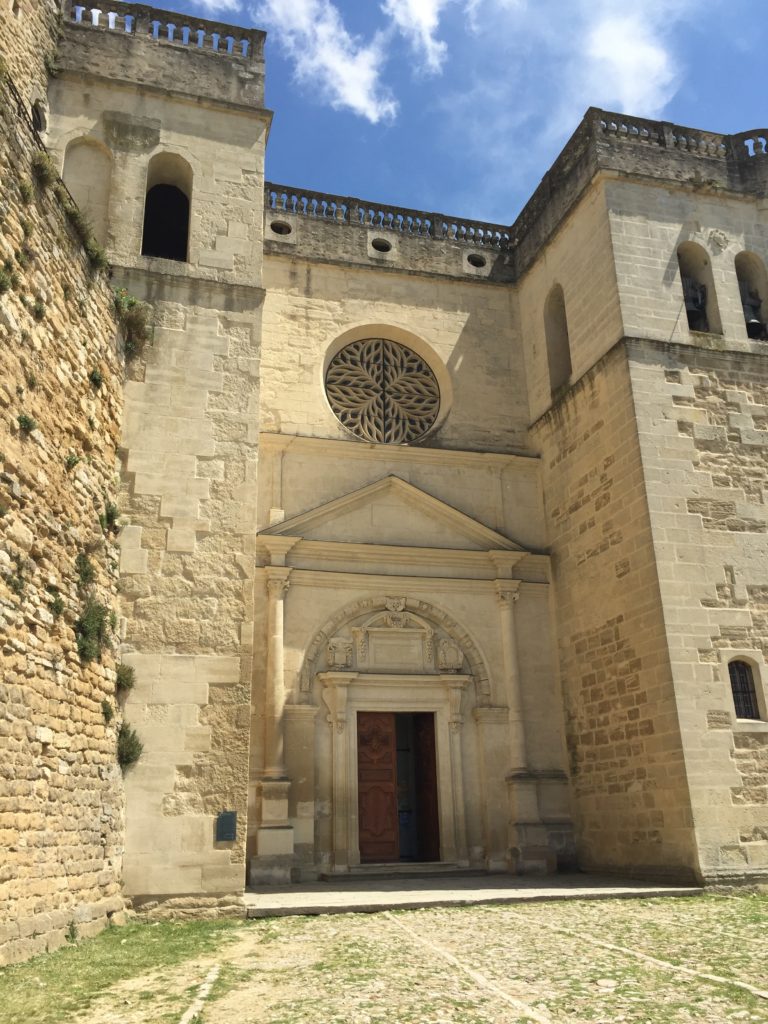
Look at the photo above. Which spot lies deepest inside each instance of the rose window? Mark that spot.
(382, 391)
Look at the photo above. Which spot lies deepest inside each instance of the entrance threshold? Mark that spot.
(404, 869)
(344, 895)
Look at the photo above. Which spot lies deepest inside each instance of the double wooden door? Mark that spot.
(384, 788)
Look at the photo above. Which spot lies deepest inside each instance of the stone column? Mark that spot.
(344, 787)
(274, 690)
(274, 838)
(300, 761)
(528, 847)
(508, 592)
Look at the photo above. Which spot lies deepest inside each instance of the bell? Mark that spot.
(755, 327)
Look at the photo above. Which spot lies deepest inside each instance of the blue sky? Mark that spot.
(460, 106)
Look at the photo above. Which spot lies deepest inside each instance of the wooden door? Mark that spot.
(427, 816)
(377, 786)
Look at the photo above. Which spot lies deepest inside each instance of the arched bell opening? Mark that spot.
(753, 289)
(167, 208)
(698, 289)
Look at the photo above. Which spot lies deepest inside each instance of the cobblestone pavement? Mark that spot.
(649, 961)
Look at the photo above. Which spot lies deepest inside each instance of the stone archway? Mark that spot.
(344, 642)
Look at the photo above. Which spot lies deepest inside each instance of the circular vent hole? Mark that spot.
(280, 227)
(381, 245)
(475, 260)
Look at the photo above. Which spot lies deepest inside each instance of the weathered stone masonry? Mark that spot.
(557, 571)
(61, 793)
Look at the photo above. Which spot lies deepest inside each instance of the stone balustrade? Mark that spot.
(690, 140)
(411, 223)
(171, 28)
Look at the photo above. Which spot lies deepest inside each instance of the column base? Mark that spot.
(274, 858)
(529, 848)
(529, 857)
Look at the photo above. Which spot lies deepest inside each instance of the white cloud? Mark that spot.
(326, 56)
(418, 21)
(628, 62)
(219, 6)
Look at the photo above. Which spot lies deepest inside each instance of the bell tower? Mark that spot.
(159, 127)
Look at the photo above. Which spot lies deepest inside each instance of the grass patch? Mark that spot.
(62, 985)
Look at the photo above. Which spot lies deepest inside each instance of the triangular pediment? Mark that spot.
(392, 512)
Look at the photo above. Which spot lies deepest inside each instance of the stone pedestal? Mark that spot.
(529, 852)
(274, 836)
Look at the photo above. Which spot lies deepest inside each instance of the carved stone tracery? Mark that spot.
(382, 391)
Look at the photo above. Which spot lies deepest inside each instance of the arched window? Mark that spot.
(753, 286)
(166, 208)
(743, 689)
(698, 289)
(558, 342)
(88, 176)
(39, 118)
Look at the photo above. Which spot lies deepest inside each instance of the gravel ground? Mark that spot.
(653, 961)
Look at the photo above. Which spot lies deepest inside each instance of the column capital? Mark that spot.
(507, 592)
(277, 580)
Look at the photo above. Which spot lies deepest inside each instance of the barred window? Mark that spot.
(743, 689)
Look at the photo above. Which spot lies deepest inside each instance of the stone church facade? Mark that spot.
(442, 542)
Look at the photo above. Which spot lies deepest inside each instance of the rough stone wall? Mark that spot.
(61, 791)
(629, 787)
(702, 417)
(28, 44)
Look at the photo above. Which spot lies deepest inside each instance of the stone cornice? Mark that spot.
(413, 583)
(438, 563)
(363, 449)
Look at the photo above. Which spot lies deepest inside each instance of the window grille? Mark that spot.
(743, 689)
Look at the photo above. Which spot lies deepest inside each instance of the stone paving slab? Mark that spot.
(366, 896)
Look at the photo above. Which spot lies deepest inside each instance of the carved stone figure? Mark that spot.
(339, 652)
(450, 657)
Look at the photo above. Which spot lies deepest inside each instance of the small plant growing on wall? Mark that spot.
(107, 711)
(72, 460)
(6, 280)
(56, 604)
(82, 228)
(96, 255)
(134, 318)
(26, 423)
(96, 377)
(16, 580)
(108, 518)
(38, 310)
(129, 746)
(92, 631)
(25, 191)
(126, 679)
(84, 567)
(44, 169)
